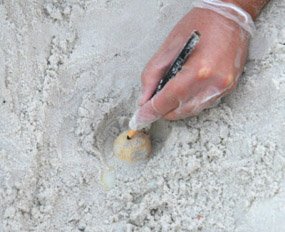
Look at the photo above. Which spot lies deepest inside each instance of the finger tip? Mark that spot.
(144, 116)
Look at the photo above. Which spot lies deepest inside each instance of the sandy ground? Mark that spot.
(69, 79)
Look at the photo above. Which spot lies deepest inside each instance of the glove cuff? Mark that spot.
(230, 11)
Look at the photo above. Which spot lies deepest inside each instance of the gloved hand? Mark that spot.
(211, 72)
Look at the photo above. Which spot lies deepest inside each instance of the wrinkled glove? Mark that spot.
(211, 72)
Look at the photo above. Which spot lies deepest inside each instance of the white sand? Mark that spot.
(69, 79)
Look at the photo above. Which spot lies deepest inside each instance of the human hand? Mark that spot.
(211, 72)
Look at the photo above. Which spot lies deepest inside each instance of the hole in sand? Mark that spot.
(116, 121)
(113, 123)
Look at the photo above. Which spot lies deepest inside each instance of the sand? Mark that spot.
(69, 80)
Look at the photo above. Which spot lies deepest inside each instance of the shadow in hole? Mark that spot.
(159, 133)
(112, 124)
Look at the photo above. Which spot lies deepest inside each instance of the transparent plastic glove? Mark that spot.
(211, 72)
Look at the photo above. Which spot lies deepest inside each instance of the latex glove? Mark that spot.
(211, 72)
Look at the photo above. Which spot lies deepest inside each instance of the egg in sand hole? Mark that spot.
(132, 146)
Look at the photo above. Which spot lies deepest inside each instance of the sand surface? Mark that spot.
(69, 80)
